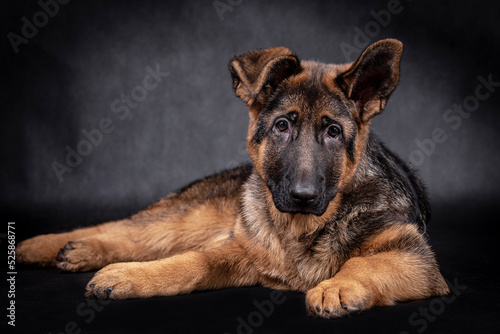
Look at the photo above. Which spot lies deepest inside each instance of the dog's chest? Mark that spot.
(301, 265)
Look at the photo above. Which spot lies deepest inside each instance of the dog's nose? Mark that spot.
(304, 194)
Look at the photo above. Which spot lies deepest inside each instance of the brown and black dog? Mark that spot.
(325, 208)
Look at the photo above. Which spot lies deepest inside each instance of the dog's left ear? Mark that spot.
(257, 74)
(371, 79)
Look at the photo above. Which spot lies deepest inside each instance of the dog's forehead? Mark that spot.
(316, 70)
(312, 91)
(316, 82)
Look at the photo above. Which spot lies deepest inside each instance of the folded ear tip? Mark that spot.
(251, 58)
(284, 51)
(254, 70)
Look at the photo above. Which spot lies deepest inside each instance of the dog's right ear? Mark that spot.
(257, 74)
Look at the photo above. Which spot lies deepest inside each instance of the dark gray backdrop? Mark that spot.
(85, 55)
(74, 65)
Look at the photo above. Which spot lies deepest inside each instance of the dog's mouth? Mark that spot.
(293, 205)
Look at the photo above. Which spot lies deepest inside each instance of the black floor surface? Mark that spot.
(50, 302)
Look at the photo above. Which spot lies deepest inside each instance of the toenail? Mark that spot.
(69, 246)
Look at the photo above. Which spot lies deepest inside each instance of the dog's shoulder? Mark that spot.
(384, 182)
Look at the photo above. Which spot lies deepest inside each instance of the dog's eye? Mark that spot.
(281, 125)
(333, 131)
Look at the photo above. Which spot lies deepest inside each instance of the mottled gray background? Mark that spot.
(64, 80)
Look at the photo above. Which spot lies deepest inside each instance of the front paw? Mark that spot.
(119, 281)
(335, 298)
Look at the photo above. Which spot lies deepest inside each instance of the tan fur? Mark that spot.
(363, 282)
(42, 250)
(375, 278)
(225, 230)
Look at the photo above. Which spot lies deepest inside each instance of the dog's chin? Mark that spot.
(317, 210)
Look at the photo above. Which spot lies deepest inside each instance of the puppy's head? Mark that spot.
(309, 121)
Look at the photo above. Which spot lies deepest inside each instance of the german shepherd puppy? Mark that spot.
(325, 208)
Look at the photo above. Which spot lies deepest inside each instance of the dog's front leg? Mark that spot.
(377, 280)
(180, 274)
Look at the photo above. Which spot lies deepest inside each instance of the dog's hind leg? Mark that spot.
(198, 217)
(115, 243)
(201, 227)
(42, 249)
(79, 250)
(146, 236)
